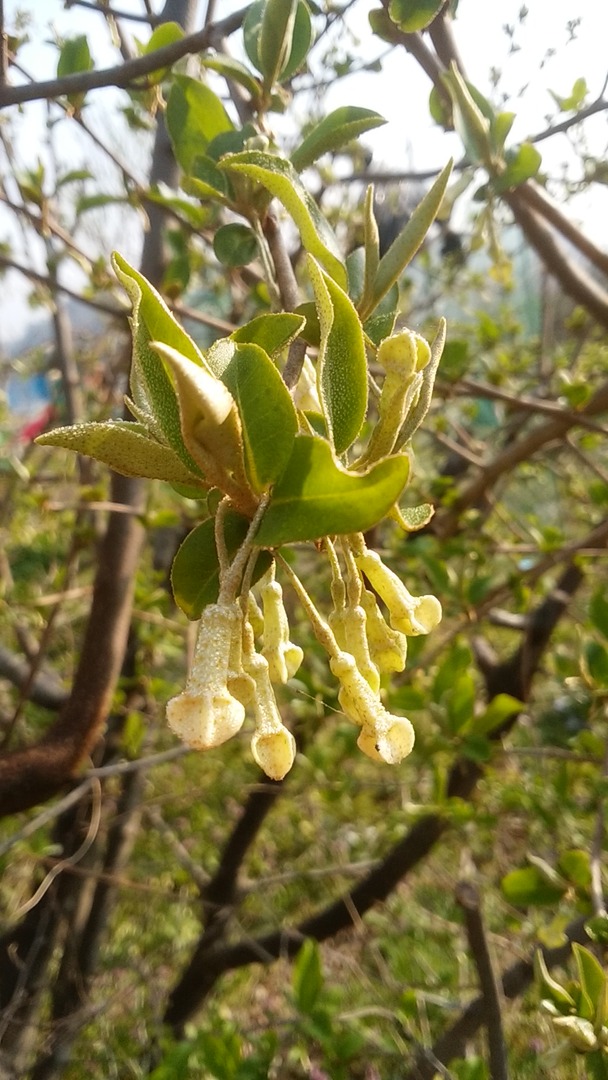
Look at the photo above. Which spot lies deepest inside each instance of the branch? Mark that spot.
(515, 980)
(445, 523)
(573, 280)
(468, 898)
(536, 199)
(125, 74)
(45, 689)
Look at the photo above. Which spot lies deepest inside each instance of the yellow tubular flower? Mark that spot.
(350, 630)
(412, 615)
(273, 746)
(387, 647)
(240, 684)
(384, 737)
(206, 714)
(283, 657)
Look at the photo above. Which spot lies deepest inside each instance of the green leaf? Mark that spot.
(528, 886)
(575, 99)
(195, 215)
(194, 116)
(301, 37)
(522, 165)
(500, 127)
(126, 447)
(342, 364)
(272, 332)
(598, 612)
(412, 518)
(280, 179)
(74, 56)
(163, 35)
(413, 15)
(316, 497)
(575, 866)
(206, 181)
(596, 661)
(268, 416)
(333, 132)
(307, 977)
(555, 991)
(233, 71)
(235, 244)
(500, 709)
(403, 249)
(592, 978)
(276, 38)
(382, 322)
(151, 387)
(195, 574)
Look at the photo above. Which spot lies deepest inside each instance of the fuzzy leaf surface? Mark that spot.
(342, 364)
(281, 179)
(126, 447)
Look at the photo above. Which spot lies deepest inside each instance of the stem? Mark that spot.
(232, 578)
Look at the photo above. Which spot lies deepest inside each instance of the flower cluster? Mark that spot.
(230, 672)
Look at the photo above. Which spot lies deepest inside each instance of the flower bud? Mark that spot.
(273, 746)
(350, 629)
(305, 394)
(412, 615)
(284, 658)
(383, 737)
(404, 353)
(206, 714)
(387, 647)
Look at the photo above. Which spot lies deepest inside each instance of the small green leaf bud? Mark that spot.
(206, 714)
(412, 615)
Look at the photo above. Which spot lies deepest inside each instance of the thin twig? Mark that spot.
(468, 898)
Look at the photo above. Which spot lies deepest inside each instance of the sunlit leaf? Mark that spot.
(272, 332)
(342, 364)
(301, 38)
(527, 886)
(268, 416)
(151, 387)
(403, 249)
(316, 497)
(234, 71)
(209, 419)
(194, 116)
(413, 15)
(126, 447)
(522, 165)
(280, 179)
(334, 131)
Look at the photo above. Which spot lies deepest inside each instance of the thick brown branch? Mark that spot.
(125, 74)
(30, 776)
(539, 201)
